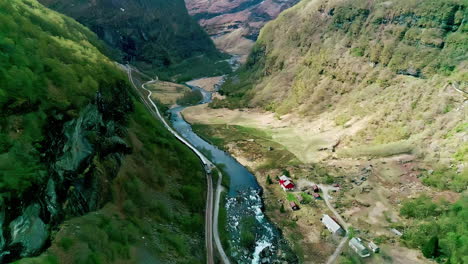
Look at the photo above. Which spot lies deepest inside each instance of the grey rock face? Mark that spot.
(77, 148)
(51, 198)
(29, 231)
(2, 221)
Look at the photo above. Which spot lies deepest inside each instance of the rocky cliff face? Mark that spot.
(154, 34)
(77, 181)
(234, 25)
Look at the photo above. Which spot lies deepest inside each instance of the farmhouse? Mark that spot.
(332, 225)
(286, 183)
(356, 244)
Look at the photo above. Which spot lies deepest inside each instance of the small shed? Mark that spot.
(316, 196)
(294, 206)
(356, 244)
(374, 247)
(396, 232)
(315, 188)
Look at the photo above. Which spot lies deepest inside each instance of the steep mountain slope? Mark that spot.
(74, 140)
(356, 60)
(358, 82)
(234, 25)
(157, 35)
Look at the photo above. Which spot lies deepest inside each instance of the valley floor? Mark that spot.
(371, 189)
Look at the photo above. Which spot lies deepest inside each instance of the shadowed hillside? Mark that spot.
(156, 35)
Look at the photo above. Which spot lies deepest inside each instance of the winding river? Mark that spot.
(246, 220)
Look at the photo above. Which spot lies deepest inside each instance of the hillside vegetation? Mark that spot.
(50, 65)
(393, 75)
(156, 35)
(85, 170)
(394, 64)
(155, 214)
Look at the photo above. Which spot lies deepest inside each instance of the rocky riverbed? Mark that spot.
(249, 228)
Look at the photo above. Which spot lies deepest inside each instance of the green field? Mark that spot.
(253, 141)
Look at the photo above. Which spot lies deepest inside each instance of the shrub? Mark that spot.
(442, 235)
(190, 98)
(282, 210)
(447, 178)
(420, 208)
(66, 243)
(247, 231)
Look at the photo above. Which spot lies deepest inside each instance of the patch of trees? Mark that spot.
(192, 97)
(438, 229)
(49, 64)
(447, 178)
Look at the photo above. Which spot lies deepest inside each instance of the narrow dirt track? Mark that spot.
(332, 259)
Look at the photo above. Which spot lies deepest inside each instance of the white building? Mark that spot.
(332, 225)
(374, 247)
(356, 244)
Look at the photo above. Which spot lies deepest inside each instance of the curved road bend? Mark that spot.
(208, 165)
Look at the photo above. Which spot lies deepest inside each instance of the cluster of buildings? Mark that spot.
(330, 223)
(288, 185)
(358, 246)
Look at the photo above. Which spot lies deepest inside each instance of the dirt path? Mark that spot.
(326, 197)
(343, 241)
(325, 190)
(336, 254)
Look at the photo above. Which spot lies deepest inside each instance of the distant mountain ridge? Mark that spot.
(234, 25)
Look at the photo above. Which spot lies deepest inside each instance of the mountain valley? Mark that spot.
(234, 131)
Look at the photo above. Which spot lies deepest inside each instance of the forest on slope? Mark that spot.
(398, 67)
(158, 36)
(86, 174)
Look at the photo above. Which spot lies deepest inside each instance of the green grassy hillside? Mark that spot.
(86, 174)
(155, 214)
(49, 65)
(395, 64)
(157, 35)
